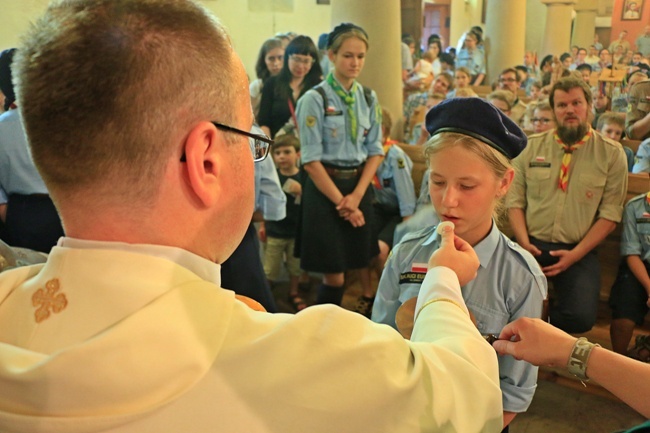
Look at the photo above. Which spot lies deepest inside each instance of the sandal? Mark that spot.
(296, 301)
(641, 349)
(364, 306)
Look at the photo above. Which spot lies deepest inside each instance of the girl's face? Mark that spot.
(464, 190)
(273, 60)
(461, 80)
(348, 61)
(300, 65)
(470, 42)
(604, 56)
(434, 50)
(600, 101)
(567, 62)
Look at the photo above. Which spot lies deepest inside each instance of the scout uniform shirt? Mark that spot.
(393, 185)
(635, 240)
(596, 189)
(638, 106)
(325, 133)
(509, 284)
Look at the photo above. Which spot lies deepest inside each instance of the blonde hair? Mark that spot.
(352, 33)
(497, 162)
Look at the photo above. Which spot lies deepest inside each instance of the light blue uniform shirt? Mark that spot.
(18, 174)
(642, 164)
(396, 184)
(269, 197)
(635, 240)
(474, 61)
(509, 285)
(324, 136)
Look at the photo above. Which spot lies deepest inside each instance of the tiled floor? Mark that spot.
(556, 408)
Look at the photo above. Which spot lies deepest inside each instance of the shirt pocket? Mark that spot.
(334, 130)
(363, 127)
(644, 233)
(538, 181)
(590, 188)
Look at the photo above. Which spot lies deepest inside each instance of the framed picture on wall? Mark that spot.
(632, 10)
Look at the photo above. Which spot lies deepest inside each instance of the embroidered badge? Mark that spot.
(400, 163)
(311, 121)
(48, 299)
(419, 267)
(540, 158)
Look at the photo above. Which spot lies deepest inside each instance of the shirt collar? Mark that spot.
(484, 249)
(203, 268)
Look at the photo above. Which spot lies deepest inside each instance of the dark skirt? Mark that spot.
(327, 243)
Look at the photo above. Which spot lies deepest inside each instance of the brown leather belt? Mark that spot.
(343, 173)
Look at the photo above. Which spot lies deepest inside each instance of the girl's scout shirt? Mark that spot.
(396, 190)
(509, 284)
(635, 240)
(324, 133)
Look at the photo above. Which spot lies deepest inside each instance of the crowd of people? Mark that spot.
(174, 211)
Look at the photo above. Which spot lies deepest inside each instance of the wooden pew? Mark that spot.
(632, 144)
(416, 153)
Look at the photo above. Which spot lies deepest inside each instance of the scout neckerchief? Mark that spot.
(387, 145)
(349, 100)
(566, 159)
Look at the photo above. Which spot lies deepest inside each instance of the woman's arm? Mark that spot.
(540, 343)
(323, 182)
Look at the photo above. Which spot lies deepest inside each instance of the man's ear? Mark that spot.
(202, 150)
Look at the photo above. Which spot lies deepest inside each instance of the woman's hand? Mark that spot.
(356, 218)
(349, 204)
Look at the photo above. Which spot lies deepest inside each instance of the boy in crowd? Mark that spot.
(630, 295)
(612, 125)
(542, 119)
(279, 236)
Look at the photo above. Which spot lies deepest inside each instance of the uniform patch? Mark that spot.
(310, 121)
(400, 163)
(412, 277)
(419, 267)
(539, 164)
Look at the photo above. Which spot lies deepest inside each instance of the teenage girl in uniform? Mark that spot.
(341, 149)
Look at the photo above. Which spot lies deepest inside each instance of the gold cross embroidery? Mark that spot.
(48, 299)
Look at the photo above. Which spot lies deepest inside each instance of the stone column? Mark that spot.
(505, 31)
(585, 23)
(383, 68)
(557, 33)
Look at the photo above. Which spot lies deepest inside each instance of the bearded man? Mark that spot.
(567, 196)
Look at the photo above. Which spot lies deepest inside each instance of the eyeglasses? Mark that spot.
(260, 144)
(306, 60)
(541, 120)
(507, 80)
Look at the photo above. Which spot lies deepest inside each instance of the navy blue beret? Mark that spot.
(480, 120)
(343, 28)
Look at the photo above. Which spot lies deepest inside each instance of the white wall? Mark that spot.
(464, 15)
(249, 22)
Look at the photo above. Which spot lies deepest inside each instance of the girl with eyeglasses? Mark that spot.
(269, 63)
(300, 72)
(341, 148)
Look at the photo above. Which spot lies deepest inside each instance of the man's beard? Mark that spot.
(571, 134)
